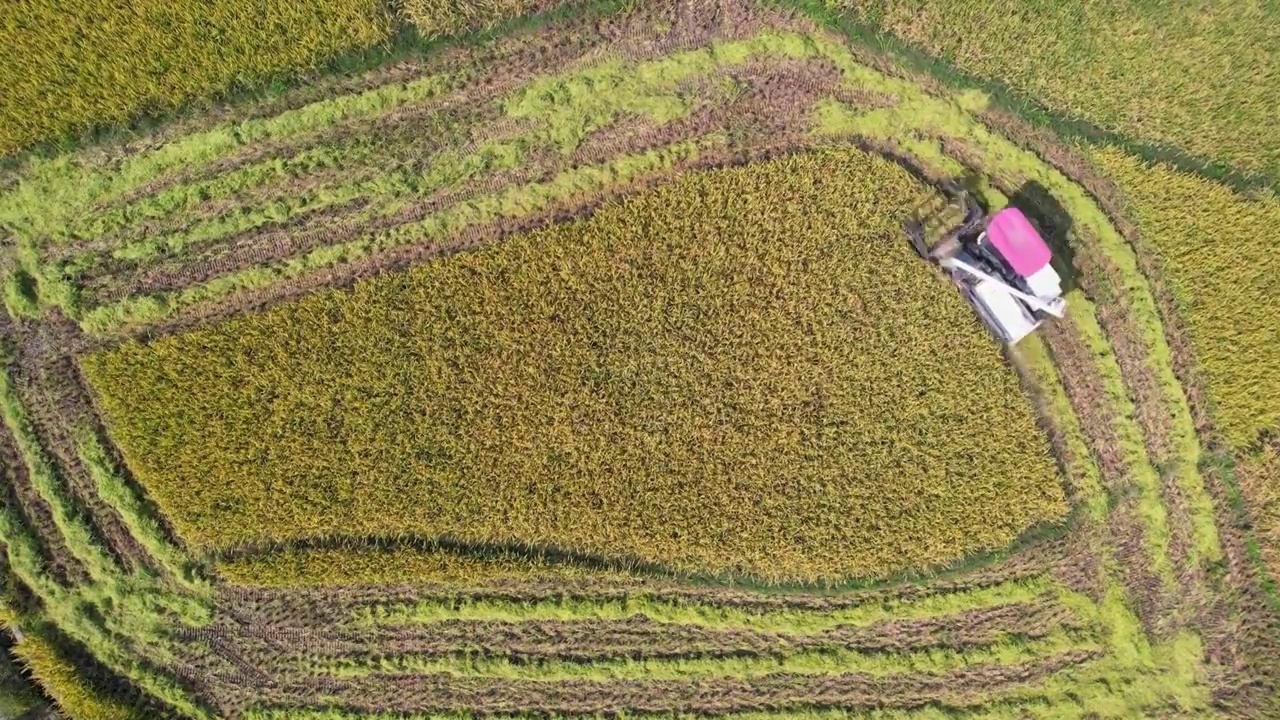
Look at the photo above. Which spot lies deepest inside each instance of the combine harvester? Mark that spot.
(999, 261)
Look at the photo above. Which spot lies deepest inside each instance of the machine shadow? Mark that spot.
(1053, 222)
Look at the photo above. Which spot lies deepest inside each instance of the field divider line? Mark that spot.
(786, 621)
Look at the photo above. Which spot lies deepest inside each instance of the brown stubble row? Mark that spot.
(588, 641)
(19, 493)
(1124, 530)
(433, 693)
(47, 379)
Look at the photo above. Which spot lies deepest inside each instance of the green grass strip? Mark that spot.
(510, 203)
(74, 530)
(55, 191)
(1081, 470)
(829, 661)
(711, 616)
(77, 614)
(142, 525)
(1081, 313)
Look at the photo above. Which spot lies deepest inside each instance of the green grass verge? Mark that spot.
(826, 661)
(710, 616)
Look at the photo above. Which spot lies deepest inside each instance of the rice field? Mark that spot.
(1185, 78)
(68, 68)
(680, 379)
(438, 387)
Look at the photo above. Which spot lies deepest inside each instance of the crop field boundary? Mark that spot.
(901, 54)
(1147, 601)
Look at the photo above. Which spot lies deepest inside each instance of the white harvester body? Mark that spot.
(1008, 311)
(1003, 267)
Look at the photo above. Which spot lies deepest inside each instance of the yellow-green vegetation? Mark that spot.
(789, 620)
(744, 372)
(1216, 249)
(1196, 76)
(75, 699)
(365, 565)
(435, 18)
(50, 668)
(1259, 476)
(710, 377)
(826, 661)
(69, 66)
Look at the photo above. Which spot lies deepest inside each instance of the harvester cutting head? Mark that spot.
(938, 225)
(999, 261)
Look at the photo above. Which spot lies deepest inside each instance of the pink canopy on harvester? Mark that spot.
(1012, 235)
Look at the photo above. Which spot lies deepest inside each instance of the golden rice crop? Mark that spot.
(742, 371)
(1259, 477)
(69, 66)
(1197, 76)
(437, 18)
(1217, 250)
(60, 680)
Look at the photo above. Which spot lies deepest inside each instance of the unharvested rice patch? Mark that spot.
(1223, 289)
(68, 66)
(552, 390)
(1259, 476)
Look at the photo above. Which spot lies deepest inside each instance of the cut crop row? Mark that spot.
(639, 637)
(967, 686)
